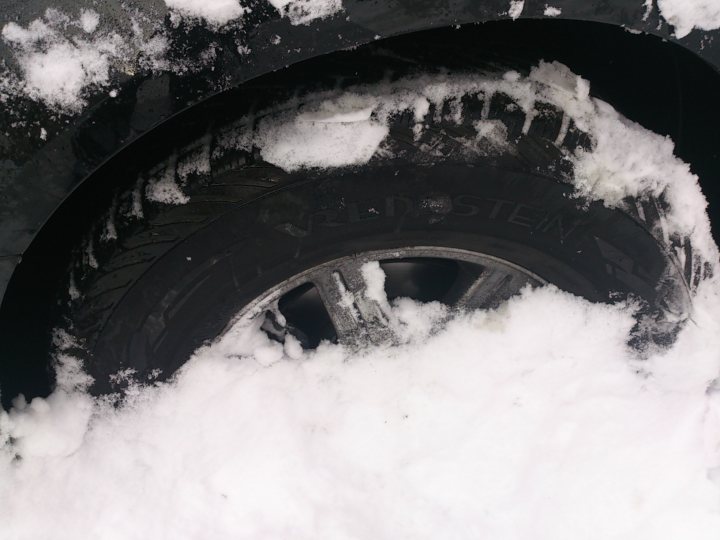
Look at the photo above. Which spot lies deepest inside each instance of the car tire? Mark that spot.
(172, 275)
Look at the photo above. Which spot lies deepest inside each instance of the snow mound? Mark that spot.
(337, 139)
(551, 11)
(529, 421)
(62, 59)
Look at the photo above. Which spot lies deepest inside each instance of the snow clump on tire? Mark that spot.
(329, 130)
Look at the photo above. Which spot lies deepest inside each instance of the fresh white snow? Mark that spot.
(532, 421)
(61, 58)
(214, 12)
(551, 11)
(516, 8)
(306, 11)
(56, 66)
(317, 140)
(89, 20)
(163, 188)
(685, 15)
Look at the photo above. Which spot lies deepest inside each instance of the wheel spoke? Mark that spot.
(354, 314)
(491, 287)
(352, 293)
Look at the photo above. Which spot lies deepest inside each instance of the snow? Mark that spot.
(214, 12)
(685, 15)
(648, 5)
(57, 68)
(59, 75)
(163, 188)
(529, 421)
(349, 127)
(533, 420)
(374, 279)
(306, 11)
(516, 8)
(218, 13)
(89, 20)
(551, 11)
(62, 59)
(315, 140)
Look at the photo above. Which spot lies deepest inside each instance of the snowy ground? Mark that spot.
(532, 421)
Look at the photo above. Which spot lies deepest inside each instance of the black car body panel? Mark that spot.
(37, 175)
